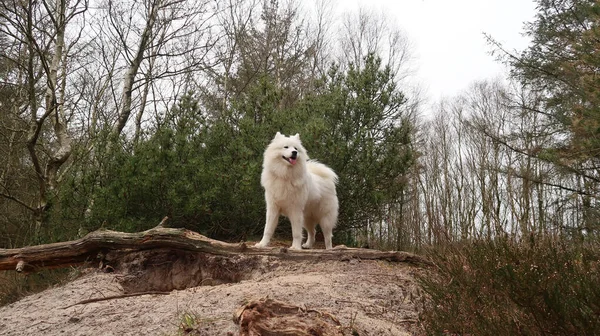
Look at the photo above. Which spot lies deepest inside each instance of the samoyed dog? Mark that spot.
(300, 189)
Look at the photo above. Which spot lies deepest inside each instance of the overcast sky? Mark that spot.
(449, 47)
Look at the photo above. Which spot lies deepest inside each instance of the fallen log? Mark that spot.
(95, 245)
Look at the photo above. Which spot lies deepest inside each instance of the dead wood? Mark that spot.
(113, 297)
(270, 317)
(94, 247)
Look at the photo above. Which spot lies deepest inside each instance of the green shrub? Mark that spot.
(500, 287)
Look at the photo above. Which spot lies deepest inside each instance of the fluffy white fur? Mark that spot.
(302, 190)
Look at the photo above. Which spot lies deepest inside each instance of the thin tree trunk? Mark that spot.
(46, 177)
(132, 70)
(56, 107)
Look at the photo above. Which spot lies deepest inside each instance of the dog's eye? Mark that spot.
(286, 147)
(295, 148)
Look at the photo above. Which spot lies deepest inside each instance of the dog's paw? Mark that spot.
(261, 245)
(295, 247)
(307, 246)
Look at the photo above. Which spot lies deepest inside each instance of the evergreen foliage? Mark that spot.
(563, 63)
(203, 171)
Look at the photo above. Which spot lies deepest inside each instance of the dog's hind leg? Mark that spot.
(327, 226)
(273, 212)
(297, 220)
(310, 232)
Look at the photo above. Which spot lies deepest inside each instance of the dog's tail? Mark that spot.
(322, 170)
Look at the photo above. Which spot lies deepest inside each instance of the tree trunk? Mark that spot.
(47, 178)
(132, 70)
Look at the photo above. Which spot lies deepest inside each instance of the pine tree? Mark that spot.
(563, 63)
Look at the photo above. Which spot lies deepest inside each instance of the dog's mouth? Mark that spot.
(292, 159)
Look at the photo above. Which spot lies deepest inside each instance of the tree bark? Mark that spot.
(96, 244)
(132, 70)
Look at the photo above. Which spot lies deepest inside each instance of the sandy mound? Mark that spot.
(361, 297)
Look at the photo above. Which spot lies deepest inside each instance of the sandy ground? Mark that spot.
(367, 297)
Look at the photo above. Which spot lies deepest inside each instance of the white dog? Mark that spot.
(302, 190)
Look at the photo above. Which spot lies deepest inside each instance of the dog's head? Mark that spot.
(287, 149)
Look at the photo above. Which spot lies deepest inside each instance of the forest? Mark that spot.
(115, 114)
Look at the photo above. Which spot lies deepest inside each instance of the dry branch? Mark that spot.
(113, 297)
(95, 245)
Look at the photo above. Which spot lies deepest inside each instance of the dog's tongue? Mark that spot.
(292, 161)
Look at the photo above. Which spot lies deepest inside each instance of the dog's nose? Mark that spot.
(294, 153)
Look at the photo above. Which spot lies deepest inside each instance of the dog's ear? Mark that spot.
(297, 136)
(278, 135)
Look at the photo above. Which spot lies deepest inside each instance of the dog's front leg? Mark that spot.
(273, 212)
(297, 220)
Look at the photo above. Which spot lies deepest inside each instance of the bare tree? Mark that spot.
(368, 32)
(483, 175)
(156, 39)
(263, 39)
(235, 21)
(320, 31)
(39, 29)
